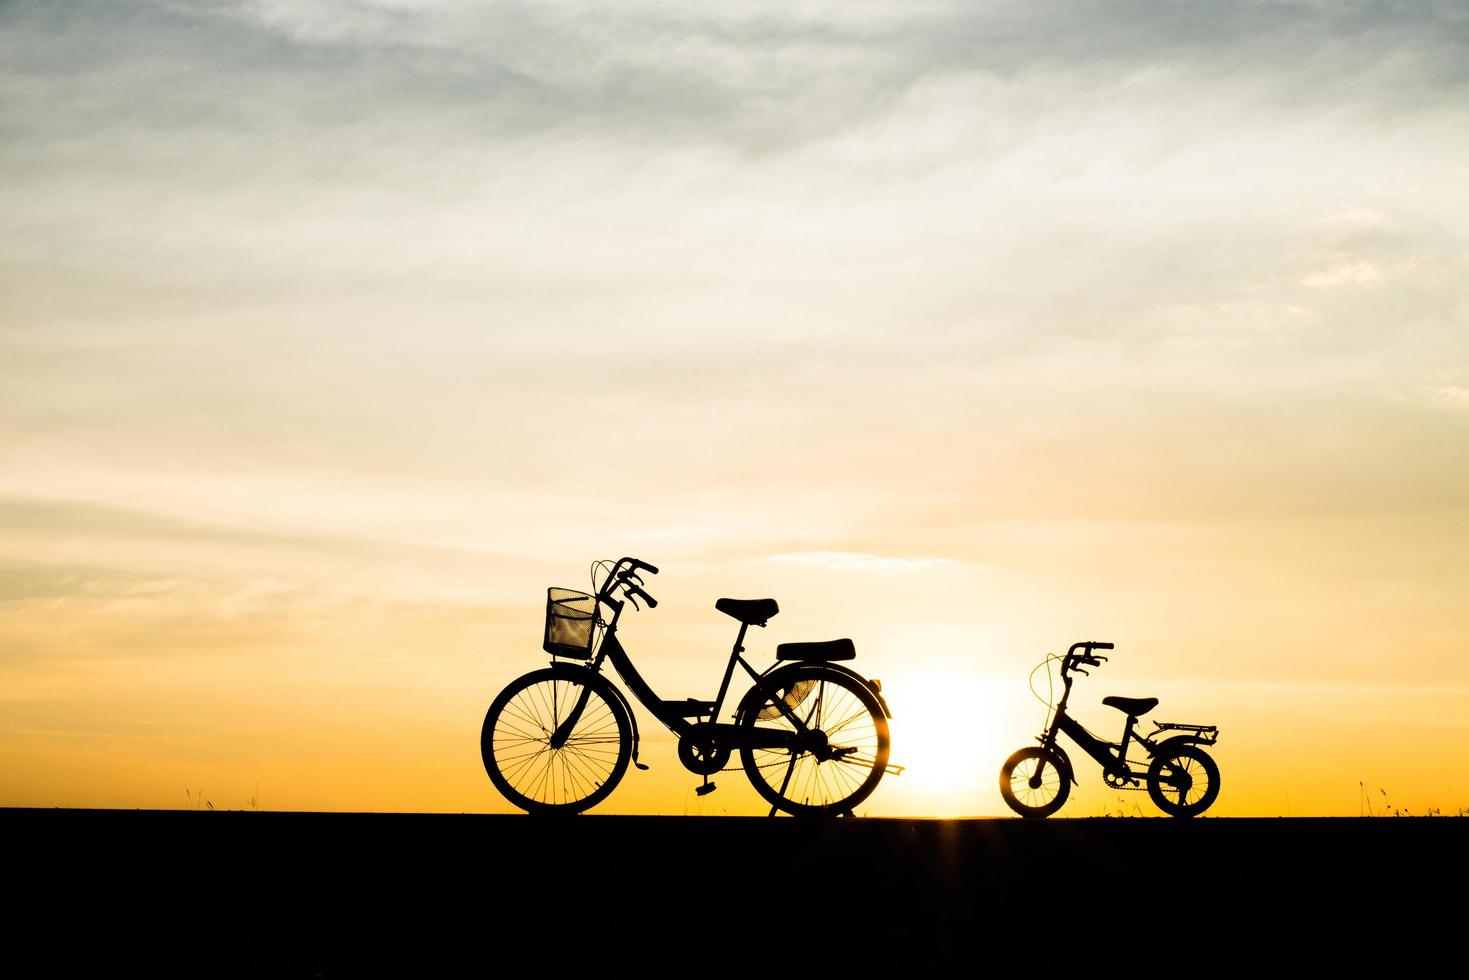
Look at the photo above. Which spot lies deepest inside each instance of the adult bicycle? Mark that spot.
(811, 734)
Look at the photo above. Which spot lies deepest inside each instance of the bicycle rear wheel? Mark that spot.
(1183, 780)
(838, 751)
(515, 742)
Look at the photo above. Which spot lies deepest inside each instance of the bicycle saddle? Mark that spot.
(826, 650)
(751, 612)
(1135, 707)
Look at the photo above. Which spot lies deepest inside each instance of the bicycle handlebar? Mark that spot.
(620, 576)
(633, 564)
(1086, 656)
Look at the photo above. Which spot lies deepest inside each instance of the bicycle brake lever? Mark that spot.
(629, 597)
(1078, 670)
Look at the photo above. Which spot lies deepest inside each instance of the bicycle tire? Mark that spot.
(1035, 798)
(854, 729)
(1185, 762)
(515, 741)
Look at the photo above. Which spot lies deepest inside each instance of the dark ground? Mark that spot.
(316, 894)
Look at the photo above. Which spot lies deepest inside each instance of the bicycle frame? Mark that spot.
(1181, 778)
(676, 715)
(1111, 756)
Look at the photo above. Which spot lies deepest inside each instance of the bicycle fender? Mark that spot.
(772, 672)
(633, 720)
(1066, 763)
(1180, 740)
(605, 686)
(778, 668)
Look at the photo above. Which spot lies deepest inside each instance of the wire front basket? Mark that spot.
(571, 618)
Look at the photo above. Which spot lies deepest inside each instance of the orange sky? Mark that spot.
(332, 333)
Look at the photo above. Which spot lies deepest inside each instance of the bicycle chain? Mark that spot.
(1124, 787)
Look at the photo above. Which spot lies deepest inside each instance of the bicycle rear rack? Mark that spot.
(1207, 734)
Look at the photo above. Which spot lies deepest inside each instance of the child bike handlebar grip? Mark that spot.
(639, 563)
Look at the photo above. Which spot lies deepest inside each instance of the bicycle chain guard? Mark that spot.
(702, 755)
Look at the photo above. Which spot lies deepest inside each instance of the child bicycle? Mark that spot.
(812, 734)
(1181, 777)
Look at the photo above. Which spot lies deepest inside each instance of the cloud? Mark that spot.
(1343, 274)
(330, 331)
(330, 264)
(759, 77)
(1450, 396)
(858, 562)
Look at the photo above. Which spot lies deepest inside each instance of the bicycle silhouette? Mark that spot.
(812, 734)
(1181, 778)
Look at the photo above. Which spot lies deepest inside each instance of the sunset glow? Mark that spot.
(333, 332)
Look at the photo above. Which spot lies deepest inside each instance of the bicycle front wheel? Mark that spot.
(837, 747)
(1034, 783)
(516, 742)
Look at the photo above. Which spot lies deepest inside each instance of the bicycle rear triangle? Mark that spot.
(811, 733)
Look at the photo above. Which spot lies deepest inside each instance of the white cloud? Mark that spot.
(1450, 396)
(1349, 273)
(303, 249)
(859, 562)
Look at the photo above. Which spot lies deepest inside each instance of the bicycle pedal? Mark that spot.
(704, 790)
(641, 766)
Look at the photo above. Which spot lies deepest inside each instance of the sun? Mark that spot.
(946, 735)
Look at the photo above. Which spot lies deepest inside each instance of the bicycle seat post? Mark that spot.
(1127, 733)
(734, 656)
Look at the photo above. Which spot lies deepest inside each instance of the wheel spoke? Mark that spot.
(1042, 799)
(858, 713)
(829, 778)
(1183, 782)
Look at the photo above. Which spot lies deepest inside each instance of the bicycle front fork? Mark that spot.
(563, 731)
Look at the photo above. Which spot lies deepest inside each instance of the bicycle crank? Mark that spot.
(1118, 782)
